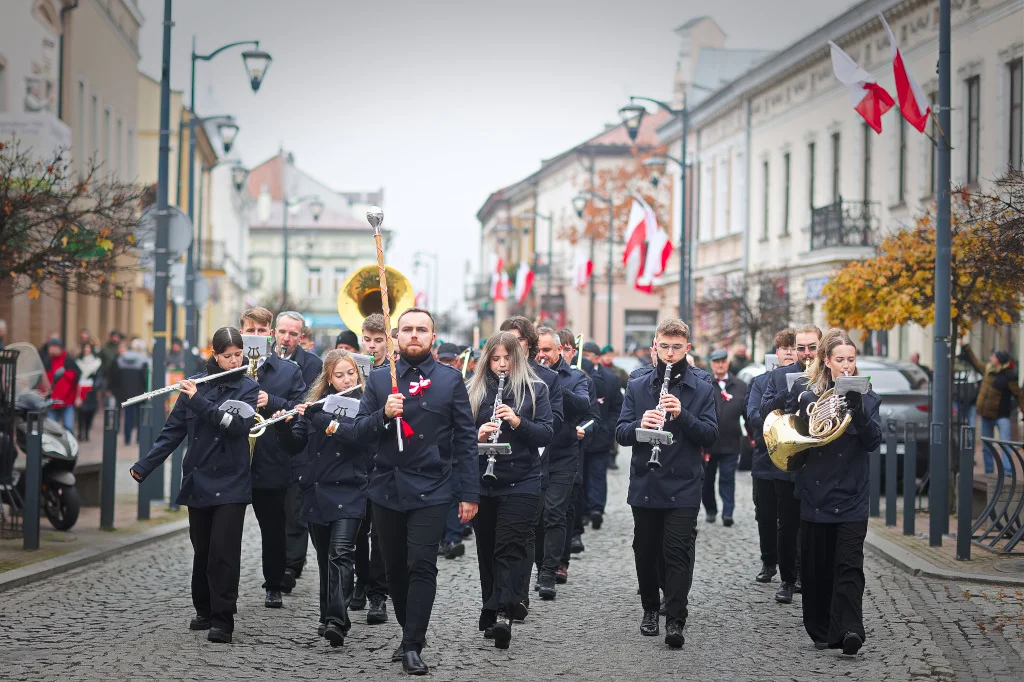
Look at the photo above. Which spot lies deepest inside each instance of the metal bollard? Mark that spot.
(938, 487)
(145, 410)
(891, 462)
(965, 494)
(33, 478)
(108, 470)
(156, 479)
(874, 482)
(176, 457)
(909, 476)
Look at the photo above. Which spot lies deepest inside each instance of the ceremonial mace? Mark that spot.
(375, 216)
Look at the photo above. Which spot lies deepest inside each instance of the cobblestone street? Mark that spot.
(127, 618)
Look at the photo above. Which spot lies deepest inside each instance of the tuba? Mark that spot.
(359, 296)
(788, 437)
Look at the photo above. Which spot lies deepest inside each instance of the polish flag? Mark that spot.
(524, 281)
(913, 104)
(499, 279)
(657, 249)
(868, 98)
(421, 299)
(636, 229)
(582, 269)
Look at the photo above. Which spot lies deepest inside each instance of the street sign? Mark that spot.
(177, 283)
(201, 294)
(179, 231)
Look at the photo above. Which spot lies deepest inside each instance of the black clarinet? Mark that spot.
(654, 462)
(489, 474)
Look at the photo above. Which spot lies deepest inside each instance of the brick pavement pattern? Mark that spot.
(127, 618)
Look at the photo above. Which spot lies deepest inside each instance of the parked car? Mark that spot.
(905, 392)
(626, 362)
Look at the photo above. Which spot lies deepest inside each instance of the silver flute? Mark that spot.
(295, 411)
(177, 386)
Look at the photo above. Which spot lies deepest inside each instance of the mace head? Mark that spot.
(375, 216)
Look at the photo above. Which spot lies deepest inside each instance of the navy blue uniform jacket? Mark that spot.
(677, 484)
(443, 444)
(310, 366)
(334, 485)
(833, 483)
(776, 389)
(283, 384)
(550, 377)
(578, 400)
(520, 472)
(215, 470)
(761, 466)
(609, 405)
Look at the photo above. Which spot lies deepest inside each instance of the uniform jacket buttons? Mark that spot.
(673, 498)
(836, 511)
(421, 436)
(424, 403)
(217, 495)
(340, 506)
(646, 498)
(387, 497)
(418, 470)
(423, 496)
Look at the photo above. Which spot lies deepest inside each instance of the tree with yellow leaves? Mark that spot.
(897, 287)
(57, 229)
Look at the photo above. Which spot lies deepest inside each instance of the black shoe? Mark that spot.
(453, 550)
(710, 518)
(596, 519)
(768, 572)
(219, 635)
(727, 521)
(412, 664)
(502, 632)
(334, 634)
(674, 634)
(649, 624)
(521, 611)
(821, 646)
(199, 623)
(852, 643)
(489, 632)
(378, 612)
(546, 588)
(467, 531)
(288, 581)
(320, 630)
(274, 600)
(358, 601)
(398, 654)
(785, 593)
(576, 546)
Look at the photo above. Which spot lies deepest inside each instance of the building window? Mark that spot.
(901, 181)
(765, 217)
(1016, 157)
(866, 171)
(339, 278)
(314, 281)
(933, 154)
(835, 167)
(810, 175)
(785, 199)
(973, 128)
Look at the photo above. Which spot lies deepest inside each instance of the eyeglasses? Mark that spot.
(675, 347)
(802, 349)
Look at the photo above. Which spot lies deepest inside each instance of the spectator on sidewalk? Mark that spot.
(739, 360)
(89, 385)
(129, 377)
(994, 405)
(730, 397)
(176, 355)
(63, 374)
(111, 349)
(915, 358)
(3, 333)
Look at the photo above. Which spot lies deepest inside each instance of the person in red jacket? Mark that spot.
(62, 373)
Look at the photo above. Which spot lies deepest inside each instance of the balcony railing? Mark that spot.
(845, 223)
(212, 256)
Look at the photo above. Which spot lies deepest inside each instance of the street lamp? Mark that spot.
(316, 209)
(579, 204)
(436, 265)
(239, 174)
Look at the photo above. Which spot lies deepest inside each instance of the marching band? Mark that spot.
(372, 461)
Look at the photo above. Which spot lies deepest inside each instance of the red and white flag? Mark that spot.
(524, 281)
(636, 236)
(582, 269)
(421, 299)
(648, 247)
(868, 98)
(913, 103)
(500, 284)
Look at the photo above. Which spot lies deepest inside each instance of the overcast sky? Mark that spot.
(442, 102)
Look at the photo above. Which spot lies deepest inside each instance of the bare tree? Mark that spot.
(58, 229)
(747, 307)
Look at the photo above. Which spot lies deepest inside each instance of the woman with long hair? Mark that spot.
(508, 503)
(833, 486)
(333, 490)
(216, 483)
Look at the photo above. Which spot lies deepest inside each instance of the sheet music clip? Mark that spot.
(846, 385)
(364, 363)
(653, 436)
(259, 345)
(233, 408)
(771, 362)
(791, 379)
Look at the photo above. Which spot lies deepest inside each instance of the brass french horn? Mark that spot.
(359, 296)
(788, 437)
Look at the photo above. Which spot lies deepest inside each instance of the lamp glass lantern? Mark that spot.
(316, 209)
(656, 168)
(579, 204)
(256, 64)
(239, 174)
(632, 115)
(228, 131)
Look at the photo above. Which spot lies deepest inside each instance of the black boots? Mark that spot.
(274, 600)
(768, 572)
(199, 623)
(852, 643)
(649, 624)
(358, 602)
(785, 593)
(502, 631)
(674, 634)
(378, 612)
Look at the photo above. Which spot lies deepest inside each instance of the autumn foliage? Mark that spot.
(57, 229)
(897, 286)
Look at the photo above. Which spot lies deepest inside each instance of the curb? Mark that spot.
(915, 565)
(51, 567)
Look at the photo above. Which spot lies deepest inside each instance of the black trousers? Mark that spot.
(832, 568)
(503, 526)
(296, 532)
(369, 563)
(778, 524)
(573, 517)
(408, 543)
(85, 418)
(216, 534)
(335, 546)
(556, 508)
(672, 533)
(269, 507)
(534, 547)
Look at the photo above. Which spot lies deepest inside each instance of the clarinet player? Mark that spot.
(665, 500)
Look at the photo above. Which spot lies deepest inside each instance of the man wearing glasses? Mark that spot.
(775, 391)
(665, 499)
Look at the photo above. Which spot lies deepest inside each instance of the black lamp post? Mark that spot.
(579, 204)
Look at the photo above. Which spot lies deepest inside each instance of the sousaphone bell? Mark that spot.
(359, 296)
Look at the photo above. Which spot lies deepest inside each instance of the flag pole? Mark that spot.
(375, 216)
